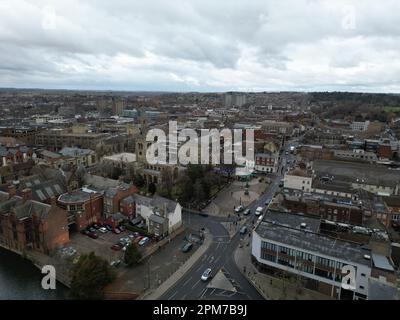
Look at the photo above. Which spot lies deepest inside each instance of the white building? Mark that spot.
(298, 179)
(360, 126)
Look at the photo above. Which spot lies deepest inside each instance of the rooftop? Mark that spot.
(285, 228)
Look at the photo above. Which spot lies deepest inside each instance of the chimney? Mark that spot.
(26, 194)
(12, 191)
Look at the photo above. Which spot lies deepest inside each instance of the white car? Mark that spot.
(144, 241)
(258, 211)
(206, 274)
(103, 230)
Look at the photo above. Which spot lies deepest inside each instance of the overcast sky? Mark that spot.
(188, 45)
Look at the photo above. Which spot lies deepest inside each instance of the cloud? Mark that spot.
(201, 45)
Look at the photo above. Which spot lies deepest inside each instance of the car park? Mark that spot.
(206, 274)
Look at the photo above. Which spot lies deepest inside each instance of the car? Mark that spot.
(137, 239)
(116, 247)
(103, 230)
(109, 228)
(121, 228)
(93, 235)
(131, 236)
(266, 202)
(246, 212)
(115, 263)
(116, 231)
(91, 229)
(258, 211)
(239, 209)
(144, 241)
(243, 230)
(187, 247)
(206, 274)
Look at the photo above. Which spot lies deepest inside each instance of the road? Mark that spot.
(220, 254)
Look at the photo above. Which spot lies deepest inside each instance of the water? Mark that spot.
(21, 280)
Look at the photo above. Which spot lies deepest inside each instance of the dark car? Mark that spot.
(93, 235)
(243, 230)
(116, 247)
(108, 227)
(187, 247)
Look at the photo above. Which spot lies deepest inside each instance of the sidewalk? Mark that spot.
(269, 287)
(157, 293)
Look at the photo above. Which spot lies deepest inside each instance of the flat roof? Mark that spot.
(285, 228)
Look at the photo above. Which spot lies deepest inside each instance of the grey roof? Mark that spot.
(157, 219)
(351, 171)
(284, 228)
(381, 262)
(74, 152)
(75, 196)
(381, 291)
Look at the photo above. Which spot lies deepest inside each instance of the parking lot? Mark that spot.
(102, 245)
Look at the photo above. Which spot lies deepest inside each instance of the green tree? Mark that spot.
(138, 181)
(132, 255)
(89, 277)
(152, 188)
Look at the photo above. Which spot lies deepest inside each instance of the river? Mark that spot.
(21, 280)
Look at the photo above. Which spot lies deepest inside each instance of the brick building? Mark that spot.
(29, 224)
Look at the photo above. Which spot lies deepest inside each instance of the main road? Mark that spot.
(219, 255)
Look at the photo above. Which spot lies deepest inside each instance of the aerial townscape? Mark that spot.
(199, 158)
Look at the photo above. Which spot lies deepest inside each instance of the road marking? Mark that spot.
(215, 261)
(170, 298)
(186, 282)
(203, 293)
(196, 284)
(183, 298)
(198, 269)
(211, 259)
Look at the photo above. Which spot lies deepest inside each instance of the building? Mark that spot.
(359, 126)
(298, 179)
(84, 207)
(292, 244)
(266, 162)
(162, 216)
(26, 224)
(79, 156)
(113, 197)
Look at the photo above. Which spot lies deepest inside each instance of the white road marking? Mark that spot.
(186, 282)
(170, 298)
(196, 284)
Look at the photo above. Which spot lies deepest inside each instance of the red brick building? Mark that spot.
(113, 197)
(28, 224)
(84, 207)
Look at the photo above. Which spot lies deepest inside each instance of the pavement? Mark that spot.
(272, 288)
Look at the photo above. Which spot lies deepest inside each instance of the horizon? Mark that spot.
(201, 46)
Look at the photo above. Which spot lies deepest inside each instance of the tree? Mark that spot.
(132, 255)
(138, 181)
(89, 277)
(152, 188)
(199, 191)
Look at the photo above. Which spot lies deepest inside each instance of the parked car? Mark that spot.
(93, 235)
(121, 228)
(266, 202)
(115, 263)
(116, 247)
(138, 239)
(109, 228)
(258, 211)
(103, 230)
(239, 209)
(91, 229)
(246, 212)
(243, 230)
(206, 274)
(116, 231)
(144, 241)
(187, 247)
